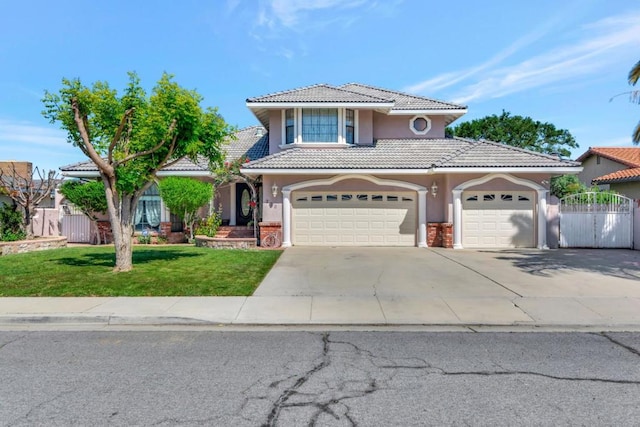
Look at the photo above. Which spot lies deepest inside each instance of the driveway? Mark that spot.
(439, 286)
(437, 272)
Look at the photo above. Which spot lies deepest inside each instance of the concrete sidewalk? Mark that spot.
(531, 312)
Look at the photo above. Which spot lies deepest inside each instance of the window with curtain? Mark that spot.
(289, 126)
(320, 124)
(148, 211)
(350, 123)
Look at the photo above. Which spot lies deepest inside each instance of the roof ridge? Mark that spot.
(271, 156)
(457, 152)
(523, 150)
(282, 92)
(397, 92)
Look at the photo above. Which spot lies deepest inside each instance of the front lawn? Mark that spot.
(157, 271)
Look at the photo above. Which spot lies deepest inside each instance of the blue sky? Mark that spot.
(555, 61)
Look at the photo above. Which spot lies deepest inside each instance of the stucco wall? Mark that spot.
(365, 127)
(439, 208)
(593, 170)
(46, 222)
(628, 189)
(398, 127)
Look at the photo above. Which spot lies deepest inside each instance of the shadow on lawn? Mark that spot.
(140, 256)
(620, 263)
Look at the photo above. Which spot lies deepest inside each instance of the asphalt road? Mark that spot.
(292, 378)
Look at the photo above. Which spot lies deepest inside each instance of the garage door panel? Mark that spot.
(497, 219)
(356, 219)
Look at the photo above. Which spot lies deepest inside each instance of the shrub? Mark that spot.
(11, 224)
(209, 226)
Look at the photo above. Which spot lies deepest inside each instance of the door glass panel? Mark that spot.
(244, 202)
(362, 197)
(332, 197)
(489, 197)
(392, 198)
(376, 197)
(346, 197)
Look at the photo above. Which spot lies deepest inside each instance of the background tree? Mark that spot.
(634, 76)
(132, 136)
(566, 184)
(184, 196)
(89, 197)
(28, 192)
(518, 131)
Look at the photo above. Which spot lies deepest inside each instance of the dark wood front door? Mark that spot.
(244, 213)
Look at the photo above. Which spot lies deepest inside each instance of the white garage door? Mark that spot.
(497, 219)
(354, 219)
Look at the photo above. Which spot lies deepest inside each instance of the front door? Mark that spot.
(244, 213)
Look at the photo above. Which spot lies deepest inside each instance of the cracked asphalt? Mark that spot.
(293, 378)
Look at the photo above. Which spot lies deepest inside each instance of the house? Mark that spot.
(612, 168)
(356, 165)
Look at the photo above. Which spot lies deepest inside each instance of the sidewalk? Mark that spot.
(526, 312)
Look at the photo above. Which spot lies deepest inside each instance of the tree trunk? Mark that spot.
(123, 242)
(28, 225)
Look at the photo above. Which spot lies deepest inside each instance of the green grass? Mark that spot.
(157, 271)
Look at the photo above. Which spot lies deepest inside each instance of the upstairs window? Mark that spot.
(319, 125)
(289, 126)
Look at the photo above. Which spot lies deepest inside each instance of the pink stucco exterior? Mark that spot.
(386, 127)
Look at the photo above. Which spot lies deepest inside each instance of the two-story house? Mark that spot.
(355, 165)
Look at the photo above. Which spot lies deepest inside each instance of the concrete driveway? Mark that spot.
(436, 272)
(442, 286)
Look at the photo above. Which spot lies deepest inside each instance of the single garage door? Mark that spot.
(354, 218)
(498, 219)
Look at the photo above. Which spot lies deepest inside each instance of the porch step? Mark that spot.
(233, 232)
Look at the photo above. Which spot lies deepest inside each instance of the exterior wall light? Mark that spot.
(274, 190)
(434, 189)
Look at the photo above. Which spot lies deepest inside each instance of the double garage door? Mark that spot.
(498, 219)
(354, 218)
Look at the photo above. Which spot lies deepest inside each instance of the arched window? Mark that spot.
(148, 211)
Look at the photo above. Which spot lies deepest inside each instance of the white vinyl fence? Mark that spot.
(596, 220)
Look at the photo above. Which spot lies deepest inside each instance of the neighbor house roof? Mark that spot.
(624, 175)
(408, 155)
(628, 156)
(356, 95)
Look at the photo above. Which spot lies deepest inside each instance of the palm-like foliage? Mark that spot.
(634, 76)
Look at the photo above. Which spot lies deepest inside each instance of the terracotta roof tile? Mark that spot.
(623, 175)
(628, 156)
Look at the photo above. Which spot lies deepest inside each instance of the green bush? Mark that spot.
(209, 226)
(11, 224)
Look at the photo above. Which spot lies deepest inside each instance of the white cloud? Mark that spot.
(33, 135)
(289, 13)
(600, 45)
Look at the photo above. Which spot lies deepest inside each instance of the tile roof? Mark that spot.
(319, 93)
(624, 175)
(403, 101)
(628, 156)
(252, 142)
(409, 154)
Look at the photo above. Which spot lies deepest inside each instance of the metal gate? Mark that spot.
(596, 220)
(76, 226)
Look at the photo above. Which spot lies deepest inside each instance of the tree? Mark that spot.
(89, 197)
(634, 76)
(184, 196)
(230, 172)
(132, 136)
(28, 192)
(566, 184)
(518, 131)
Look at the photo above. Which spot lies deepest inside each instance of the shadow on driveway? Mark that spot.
(621, 263)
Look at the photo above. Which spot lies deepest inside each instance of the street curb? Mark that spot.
(159, 321)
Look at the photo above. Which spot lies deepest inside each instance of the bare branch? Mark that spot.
(81, 123)
(117, 136)
(165, 163)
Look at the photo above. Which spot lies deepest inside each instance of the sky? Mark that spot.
(555, 61)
